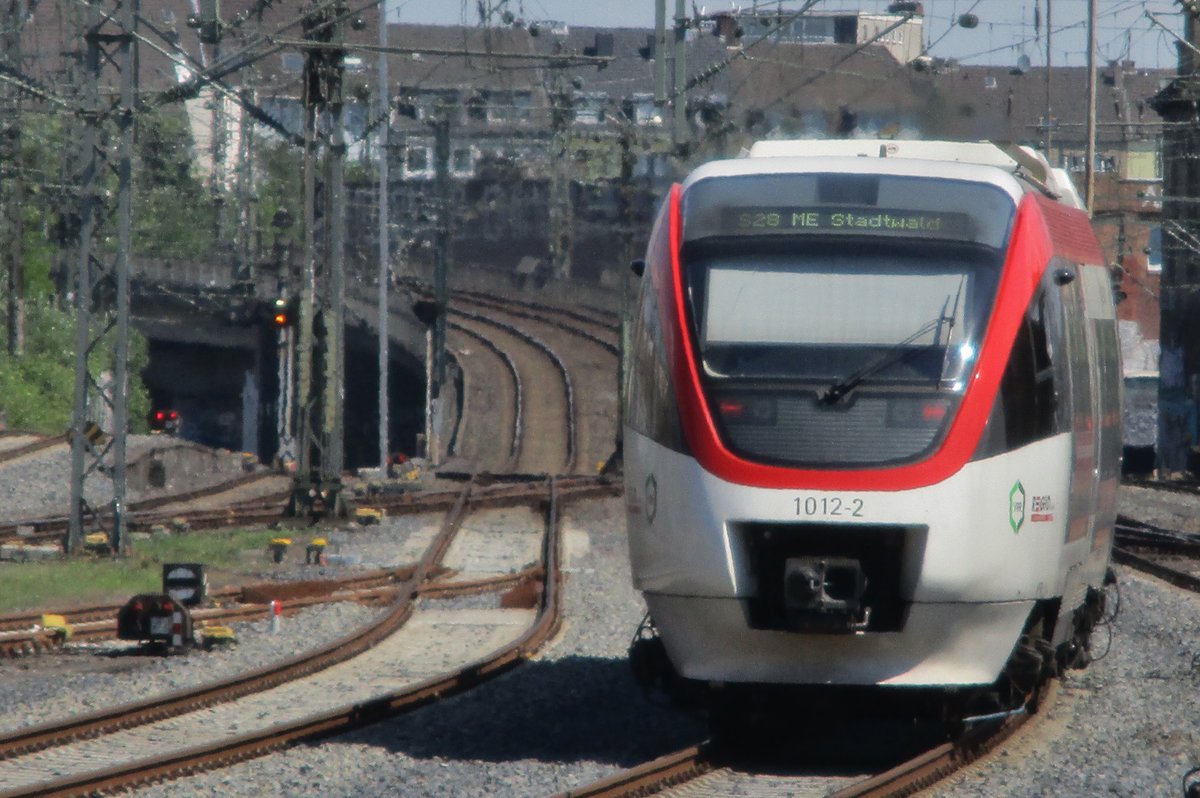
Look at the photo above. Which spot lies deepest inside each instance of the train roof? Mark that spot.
(1016, 169)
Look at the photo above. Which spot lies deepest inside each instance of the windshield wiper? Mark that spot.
(895, 353)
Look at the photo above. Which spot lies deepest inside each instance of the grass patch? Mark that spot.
(89, 580)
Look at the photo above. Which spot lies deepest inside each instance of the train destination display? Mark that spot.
(785, 219)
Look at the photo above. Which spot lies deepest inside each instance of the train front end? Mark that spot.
(820, 487)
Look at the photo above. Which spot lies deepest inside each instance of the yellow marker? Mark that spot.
(368, 515)
(218, 635)
(57, 624)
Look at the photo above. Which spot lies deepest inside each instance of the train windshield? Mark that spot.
(826, 347)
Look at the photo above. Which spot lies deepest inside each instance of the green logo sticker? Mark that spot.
(1016, 506)
(651, 498)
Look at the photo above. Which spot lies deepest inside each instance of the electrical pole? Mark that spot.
(1179, 297)
(437, 352)
(13, 196)
(1049, 104)
(383, 111)
(1091, 101)
(679, 133)
(561, 211)
(332, 429)
(243, 232)
(319, 394)
(660, 53)
(110, 37)
(625, 197)
(308, 287)
(210, 33)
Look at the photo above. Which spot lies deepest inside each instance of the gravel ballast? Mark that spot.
(1122, 727)
(569, 716)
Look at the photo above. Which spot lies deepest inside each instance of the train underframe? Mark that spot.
(740, 709)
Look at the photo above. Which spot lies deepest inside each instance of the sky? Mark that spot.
(1006, 28)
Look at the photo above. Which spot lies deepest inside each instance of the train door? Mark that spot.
(1106, 374)
(1084, 410)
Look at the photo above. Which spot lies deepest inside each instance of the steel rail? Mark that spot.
(98, 621)
(907, 778)
(514, 449)
(18, 452)
(1175, 577)
(242, 514)
(25, 641)
(560, 366)
(539, 313)
(650, 777)
(106, 720)
(254, 744)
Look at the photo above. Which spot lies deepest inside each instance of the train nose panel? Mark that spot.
(827, 578)
(823, 594)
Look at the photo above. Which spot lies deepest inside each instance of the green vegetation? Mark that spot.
(230, 557)
(171, 203)
(37, 390)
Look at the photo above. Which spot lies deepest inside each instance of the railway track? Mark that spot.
(1164, 553)
(705, 770)
(21, 633)
(602, 330)
(15, 445)
(589, 345)
(709, 771)
(401, 666)
(475, 437)
(19, 637)
(243, 495)
(548, 415)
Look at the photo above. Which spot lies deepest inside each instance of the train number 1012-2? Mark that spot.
(829, 506)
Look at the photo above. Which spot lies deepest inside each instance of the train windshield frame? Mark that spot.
(825, 346)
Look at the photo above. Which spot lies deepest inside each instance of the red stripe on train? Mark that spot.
(1030, 250)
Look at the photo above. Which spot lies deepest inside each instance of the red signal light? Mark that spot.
(172, 415)
(159, 416)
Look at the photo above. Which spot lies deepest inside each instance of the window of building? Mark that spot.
(1103, 163)
(418, 161)
(462, 161)
(1154, 251)
(292, 62)
(589, 108)
(477, 108)
(645, 112)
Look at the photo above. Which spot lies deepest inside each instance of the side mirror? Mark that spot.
(638, 267)
(1064, 276)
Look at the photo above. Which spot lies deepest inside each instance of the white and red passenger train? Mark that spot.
(872, 424)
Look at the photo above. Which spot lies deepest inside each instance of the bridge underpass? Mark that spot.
(215, 360)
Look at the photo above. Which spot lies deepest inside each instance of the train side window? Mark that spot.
(650, 391)
(1026, 407)
(1027, 387)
